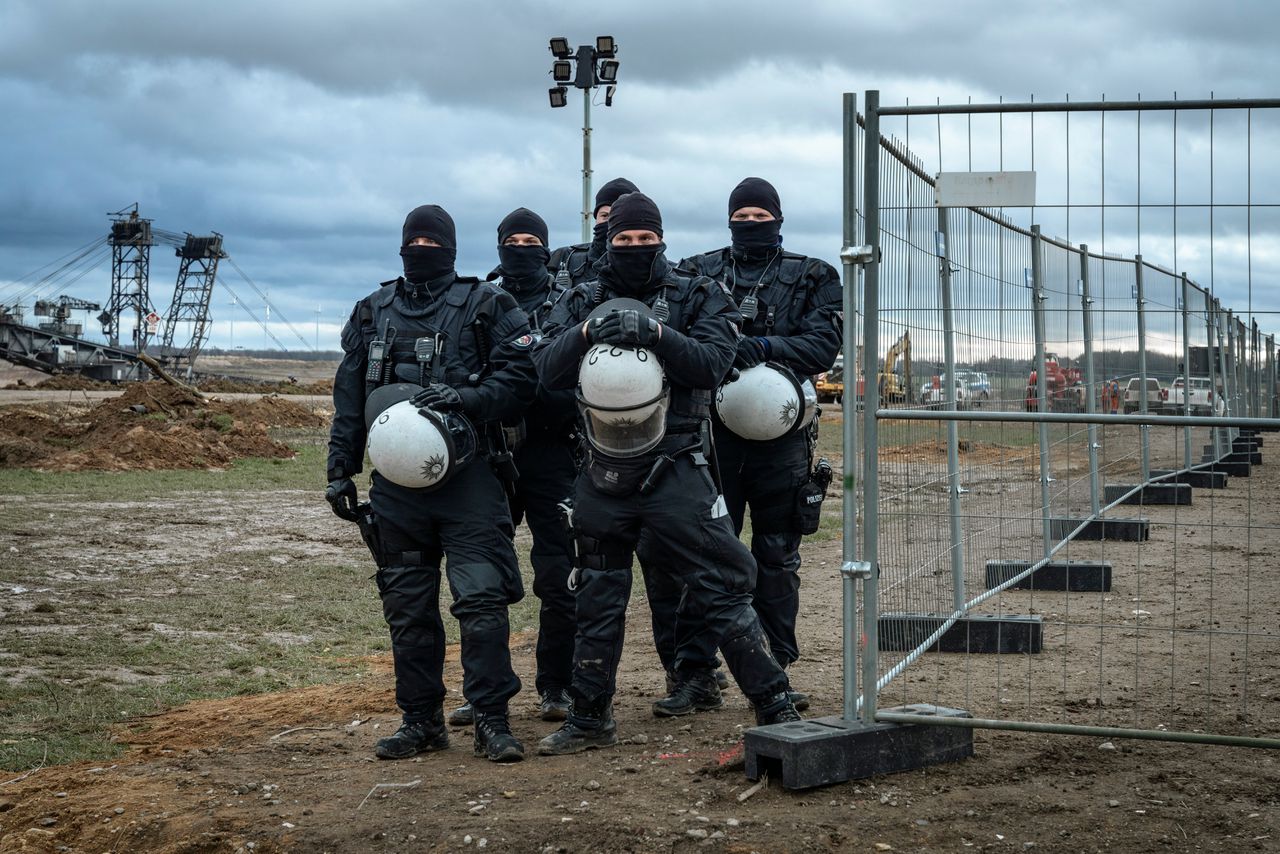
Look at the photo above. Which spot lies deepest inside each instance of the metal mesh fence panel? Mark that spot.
(1050, 391)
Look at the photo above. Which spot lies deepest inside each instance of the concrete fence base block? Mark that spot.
(1253, 459)
(823, 751)
(1123, 530)
(976, 633)
(1229, 469)
(1246, 443)
(1079, 576)
(1200, 478)
(1151, 493)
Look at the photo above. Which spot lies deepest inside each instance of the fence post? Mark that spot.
(1142, 370)
(849, 406)
(1186, 370)
(1234, 375)
(1090, 381)
(1042, 393)
(1220, 322)
(871, 398)
(1256, 372)
(1210, 323)
(953, 429)
(1270, 397)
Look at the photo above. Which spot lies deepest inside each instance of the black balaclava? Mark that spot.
(755, 239)
(607, 195)
(523, 267)
(427, 263)
(634, 269)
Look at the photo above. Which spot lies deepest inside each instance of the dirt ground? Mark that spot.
(294, 771)
(149, 425)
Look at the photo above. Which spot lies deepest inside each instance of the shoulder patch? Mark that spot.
(524, 342)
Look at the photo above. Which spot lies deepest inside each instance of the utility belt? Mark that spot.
(627, 476)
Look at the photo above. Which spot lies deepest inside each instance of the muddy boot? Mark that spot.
(494, 739)
(414, 738)
(554, 705)
(799, 699)
(722, 681)
(776, 709)
(695, 691)
(462, 716)
(587, 727)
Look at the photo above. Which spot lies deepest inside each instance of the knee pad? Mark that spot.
(480, 596)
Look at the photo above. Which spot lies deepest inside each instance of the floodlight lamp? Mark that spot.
(559, 96)
(560, 47)
(562, 71)
(606, 46)
(609, 71)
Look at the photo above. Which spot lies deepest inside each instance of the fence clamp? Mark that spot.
(857, 254)
(856, 569)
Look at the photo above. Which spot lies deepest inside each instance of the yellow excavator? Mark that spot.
(895, 388)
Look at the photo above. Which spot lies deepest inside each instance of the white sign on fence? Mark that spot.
(985, 190)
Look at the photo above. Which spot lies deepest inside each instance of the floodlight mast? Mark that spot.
(596, 65)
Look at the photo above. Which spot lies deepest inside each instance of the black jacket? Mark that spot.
(485, 355)
(799, 304)
(699, 338)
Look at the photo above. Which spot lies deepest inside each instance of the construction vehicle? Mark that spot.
(1064, 386)
(895, 387)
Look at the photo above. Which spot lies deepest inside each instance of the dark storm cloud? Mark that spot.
(304, 131)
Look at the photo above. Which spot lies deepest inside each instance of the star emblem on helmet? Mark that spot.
(787, 412)
(433, 467)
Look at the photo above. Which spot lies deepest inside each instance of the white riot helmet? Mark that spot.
(766, 402)
(622, 392)
(419, 449)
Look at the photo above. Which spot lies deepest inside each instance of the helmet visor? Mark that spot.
(628, 432)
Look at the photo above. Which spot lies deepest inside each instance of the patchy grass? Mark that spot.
(127, 593)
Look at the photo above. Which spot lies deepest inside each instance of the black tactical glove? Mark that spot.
(627, 328)
(751, 352)
(438, 396)
(343, 498)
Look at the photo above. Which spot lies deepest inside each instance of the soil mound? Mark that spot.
(227, 385)
(151, 426)
(63, 382)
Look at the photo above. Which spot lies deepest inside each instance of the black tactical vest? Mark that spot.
(443, 341)
(774, 305)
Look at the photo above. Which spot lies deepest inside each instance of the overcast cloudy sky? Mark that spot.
(304, 132)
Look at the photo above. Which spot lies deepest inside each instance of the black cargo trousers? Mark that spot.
(685, 520)
(468, 525)
(547, 469)
(766, 476)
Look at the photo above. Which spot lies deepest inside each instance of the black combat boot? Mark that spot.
(695, 691)
(775, 709)
(799, 699)
(722, 681)
(464, 715)
(554, 705)
(494, 739)
(588, 726)
(414, 738)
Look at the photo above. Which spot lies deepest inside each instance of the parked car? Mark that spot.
(935, 398)
(1204, 401)
(1133, 395)
(979, 388)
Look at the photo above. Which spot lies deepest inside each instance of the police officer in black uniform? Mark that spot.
(789, 306)
(667, 491)
(573, 265)
(544, 443)
(468, 344)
